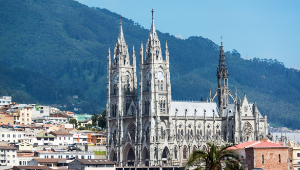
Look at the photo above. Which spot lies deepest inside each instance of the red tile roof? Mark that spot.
(257, 144)
(243, 145)
(267, 144)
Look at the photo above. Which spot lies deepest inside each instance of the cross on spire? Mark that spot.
(221, 38)
(152, 13)
(120, 19)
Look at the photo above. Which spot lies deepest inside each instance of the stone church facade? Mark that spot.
(146, 128)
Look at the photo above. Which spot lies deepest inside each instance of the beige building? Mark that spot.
(295, 155)
(22, 114)
(25, 146)
(6, 119)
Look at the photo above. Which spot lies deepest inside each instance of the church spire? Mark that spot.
(121, 35)
(152, 30)
(222, 61)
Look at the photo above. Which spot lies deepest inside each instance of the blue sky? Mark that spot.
(263, 29)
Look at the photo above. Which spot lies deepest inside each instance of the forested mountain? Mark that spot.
(52, 50)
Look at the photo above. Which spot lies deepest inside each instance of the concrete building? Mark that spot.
(6, 119)
(22, 114)
(92, 164)
(12, 136)
(99, 138)
(62, 137)
(66, 154)
(25, 146)
(8, 156)
(146, 128)
(40, 111)
(45, 139)
(5, 100)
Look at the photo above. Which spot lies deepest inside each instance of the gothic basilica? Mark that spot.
(146, 128)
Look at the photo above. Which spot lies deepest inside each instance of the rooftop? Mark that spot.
(8, 147)
(95, 161)
(49, 160)
(60, 133)
(30, 167)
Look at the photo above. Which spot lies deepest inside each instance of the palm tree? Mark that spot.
(214, 158)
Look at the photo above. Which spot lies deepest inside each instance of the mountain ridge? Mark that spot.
(66, 43)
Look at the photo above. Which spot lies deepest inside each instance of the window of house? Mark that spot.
(262, 159)
(8, 135)
(38, 138)
(82, 157)
(20, 162)
(59, 138)
(298, 154)
(69, 138)
(64, 138)
(2, 135)
(14, 135)
(14, 156)
(279, 158)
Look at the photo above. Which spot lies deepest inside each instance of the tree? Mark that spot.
(102, 120)
(88, 126)
(214, 158)
(95, 119)
(81, 128)
(74, 122)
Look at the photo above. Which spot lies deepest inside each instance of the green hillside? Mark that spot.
(52, 50)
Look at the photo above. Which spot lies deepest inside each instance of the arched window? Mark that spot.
(161, 85)
(184, 152)
(175, 152)
(279, 158)
(181, 132)
(262, 159)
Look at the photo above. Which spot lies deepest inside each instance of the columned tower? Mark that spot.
(121, 100)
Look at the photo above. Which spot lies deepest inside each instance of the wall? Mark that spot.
(82, 147)
(6, 119)
(271, 158)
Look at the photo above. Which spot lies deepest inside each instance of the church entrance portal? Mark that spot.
(130, 157)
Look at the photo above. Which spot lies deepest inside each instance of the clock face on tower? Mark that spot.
(148, 75)
(160, 75)
(115, 79)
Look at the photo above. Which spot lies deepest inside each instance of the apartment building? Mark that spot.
(22, 114)
(40, 111)
(12, 136)
(8, 156)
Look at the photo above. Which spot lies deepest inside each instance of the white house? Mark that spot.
(12, 136)
(8, 156)
(5, 100)
(66, 154)
(62, 137)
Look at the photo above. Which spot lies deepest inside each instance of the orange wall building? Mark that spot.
(267, 155)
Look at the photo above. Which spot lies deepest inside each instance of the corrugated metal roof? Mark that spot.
(210, 108)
